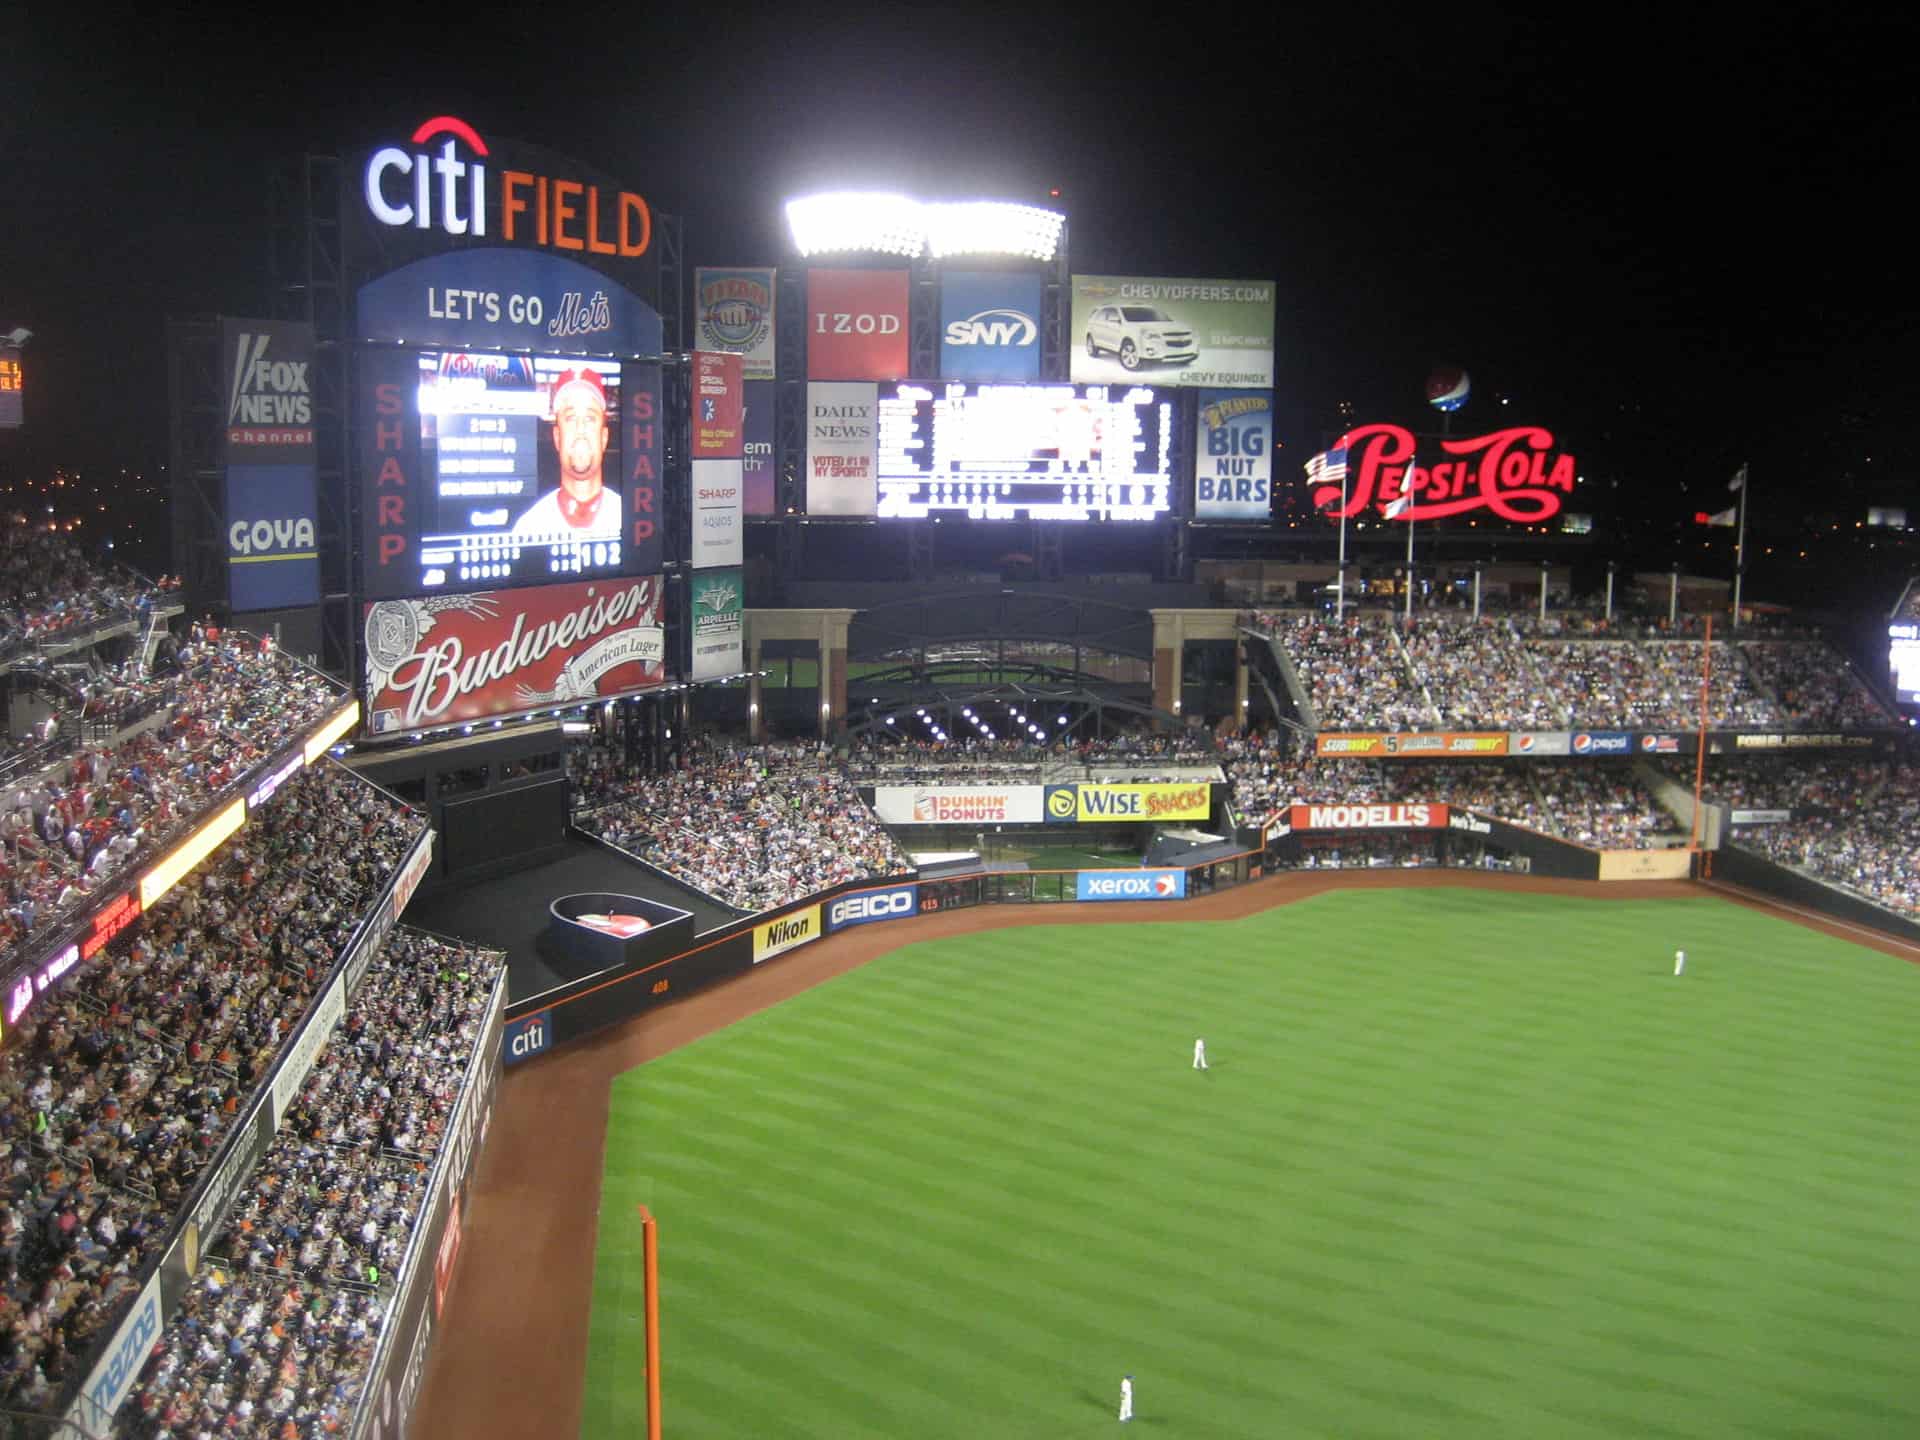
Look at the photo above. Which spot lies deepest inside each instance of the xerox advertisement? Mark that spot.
(483, 470)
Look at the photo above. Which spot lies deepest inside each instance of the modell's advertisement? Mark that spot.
(459, 659)
(486, 470)
(1216, 333)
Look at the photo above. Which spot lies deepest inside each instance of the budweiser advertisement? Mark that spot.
(457, 659)
(1369, 817)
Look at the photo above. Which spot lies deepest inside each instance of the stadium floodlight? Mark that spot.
(856, 220)
(879, 222)
(993, 227)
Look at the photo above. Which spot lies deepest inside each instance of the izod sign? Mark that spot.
(1517, 474)
(445, 178)
(856, 324)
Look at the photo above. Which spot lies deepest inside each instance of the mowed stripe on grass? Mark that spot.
(1465, 1164)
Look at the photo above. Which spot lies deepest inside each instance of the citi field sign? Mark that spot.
(445, 180)
(1516, 473)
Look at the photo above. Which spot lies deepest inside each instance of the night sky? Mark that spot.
(1674, 240)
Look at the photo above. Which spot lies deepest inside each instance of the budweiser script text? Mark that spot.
(1510, 472)
(440, 672)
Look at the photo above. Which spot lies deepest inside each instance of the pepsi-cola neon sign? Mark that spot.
(1513, 473)
(441, 182)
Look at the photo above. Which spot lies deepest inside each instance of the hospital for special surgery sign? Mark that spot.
(455, 659)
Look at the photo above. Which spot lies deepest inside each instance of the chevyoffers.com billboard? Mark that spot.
(1172, 332)
(453, 659)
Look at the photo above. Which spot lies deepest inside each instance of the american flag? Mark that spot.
(1329, 467)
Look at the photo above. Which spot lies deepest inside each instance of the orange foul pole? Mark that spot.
(1700, 760)
(650, 1249)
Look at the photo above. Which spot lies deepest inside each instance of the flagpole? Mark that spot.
(1406, 491)
(1740, 547)
(1340, 576)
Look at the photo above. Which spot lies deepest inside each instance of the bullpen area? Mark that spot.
(1468, 1160)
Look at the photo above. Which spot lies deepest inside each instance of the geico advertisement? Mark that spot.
(777, 936)
(1172, 332)
(1094, 801)
(1130, 885)
(871, 905)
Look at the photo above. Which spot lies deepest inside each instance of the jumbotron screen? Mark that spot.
(1903, 659)
(521, 458)
(1043, 452)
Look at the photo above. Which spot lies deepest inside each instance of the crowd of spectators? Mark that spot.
(1375, 671)
(1860, 834)
(117, 1087)
(1597, 803)
(754, 826)
(1354, 672)
(48, 590)
(69, 830)
(1785, 782)
(1816, 688)
(890, 759)
(277, 1336)
(1383, 849)
(1478, 675)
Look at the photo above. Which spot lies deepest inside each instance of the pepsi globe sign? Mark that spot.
(1448, 388)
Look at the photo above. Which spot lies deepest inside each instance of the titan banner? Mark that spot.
(1425, 744)
(842, 444)
(1173, 332)
(719, 630)
(267, 447)
(989, 325)
(760, 482)
(1233, 455)
(856, 324)
(718, 406)
(1090, 801)
(718, 530)
(458, 659)
(733, 311)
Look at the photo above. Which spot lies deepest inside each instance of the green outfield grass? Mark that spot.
(1466, 1164)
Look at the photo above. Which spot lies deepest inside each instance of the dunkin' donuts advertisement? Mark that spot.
(457, 659)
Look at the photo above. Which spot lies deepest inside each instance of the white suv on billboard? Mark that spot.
(1139, 335)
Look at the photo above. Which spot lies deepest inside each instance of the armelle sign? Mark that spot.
(1513, 473)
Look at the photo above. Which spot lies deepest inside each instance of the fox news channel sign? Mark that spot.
(267, 446)
(1215, 333)
(871, 906)
(1130, 885)
(989, 326)
(1233, 455)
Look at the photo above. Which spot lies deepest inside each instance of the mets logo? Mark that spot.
(1063, 802)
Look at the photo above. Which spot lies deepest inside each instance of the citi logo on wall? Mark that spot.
(443, 180)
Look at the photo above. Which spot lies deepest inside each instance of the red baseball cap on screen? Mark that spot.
(584, 378)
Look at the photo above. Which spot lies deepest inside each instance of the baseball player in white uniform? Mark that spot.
(1199, 1054)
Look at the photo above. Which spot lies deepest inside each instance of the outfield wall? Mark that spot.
(1768, 877)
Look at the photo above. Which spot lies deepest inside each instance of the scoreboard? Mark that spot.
(1027, 451)
(1903, 660)
(10, 389)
